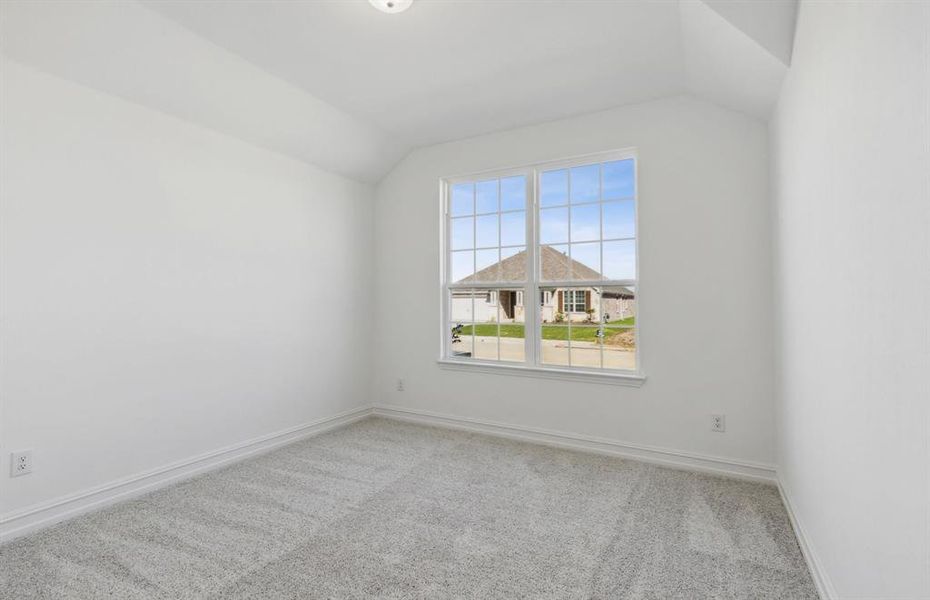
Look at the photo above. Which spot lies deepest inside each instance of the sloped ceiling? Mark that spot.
(123, 49)
(726, 65)
(352, 90)
(770, 23)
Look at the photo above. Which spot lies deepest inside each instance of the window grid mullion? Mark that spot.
(600, 296)
(532, 284)
(589, 202)
(474, 247)
(531, 333)
(473, 324)
(571, 271)
(498, 307)
(500, 226)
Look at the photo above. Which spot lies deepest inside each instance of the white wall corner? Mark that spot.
(814, 564)
(725, 65)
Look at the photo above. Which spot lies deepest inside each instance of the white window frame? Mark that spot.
(532, 287)
(574, 303)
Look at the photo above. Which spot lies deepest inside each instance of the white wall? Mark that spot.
(851, 172)
(129, 50)
(166, 290)
(705, 289)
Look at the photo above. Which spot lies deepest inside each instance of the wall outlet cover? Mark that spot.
(20, 463)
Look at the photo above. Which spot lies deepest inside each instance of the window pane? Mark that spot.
(486, 196)
(553, 188)
(488, 265)
(513, 193)
(460, 340)
(586, 261)
(620, 260)
(460, 306)
(512, 329)
(619, 348)
(618, 306)
(586, 223)
(618, 179)
(486, 325)
(513, 228)
(618, 313)
(462, 234)
(619, 219)
(586, 346)
(553, 263)
(553, 350)
(463, 265)
(486, 233)
(463, 199)
(586, 183)
(553, 226)
(553, 344)
(513, 264)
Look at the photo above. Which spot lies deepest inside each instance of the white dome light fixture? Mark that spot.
(391, 6)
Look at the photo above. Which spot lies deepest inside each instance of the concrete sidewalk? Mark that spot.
(554, 352)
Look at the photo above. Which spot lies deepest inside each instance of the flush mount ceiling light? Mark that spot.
(391, 6)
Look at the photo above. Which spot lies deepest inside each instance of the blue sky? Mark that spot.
(612, 180)
(617, 177)
(483, 196)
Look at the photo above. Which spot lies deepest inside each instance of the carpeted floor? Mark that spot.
(383, 509)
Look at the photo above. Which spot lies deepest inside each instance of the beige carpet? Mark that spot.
(383, 509)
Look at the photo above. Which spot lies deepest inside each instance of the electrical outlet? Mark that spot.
(20, 463)
(400, 385)
(718, 423)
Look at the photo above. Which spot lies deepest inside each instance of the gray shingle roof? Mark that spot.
(556, 266)
(618, 292)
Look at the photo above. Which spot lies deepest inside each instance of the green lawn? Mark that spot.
(550, 331)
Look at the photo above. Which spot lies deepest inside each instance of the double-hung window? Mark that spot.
(563, 233)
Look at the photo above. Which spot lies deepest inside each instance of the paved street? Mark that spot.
(554, 352)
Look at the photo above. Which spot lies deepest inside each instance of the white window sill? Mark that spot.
(615, 378)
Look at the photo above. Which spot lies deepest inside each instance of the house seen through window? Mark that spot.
(563, 233)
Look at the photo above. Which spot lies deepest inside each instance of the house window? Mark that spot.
(563, 232)
(575, 301)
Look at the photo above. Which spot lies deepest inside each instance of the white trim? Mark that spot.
(549, 164)
(821, 580)
(531, 351)
(532, 365)
(574, 302)
(45, 514)
(608, 376)
(690, 461)
(585, 159)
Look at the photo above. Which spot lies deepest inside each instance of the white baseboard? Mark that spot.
(662, 456)
(39, 516)
(814, 565)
